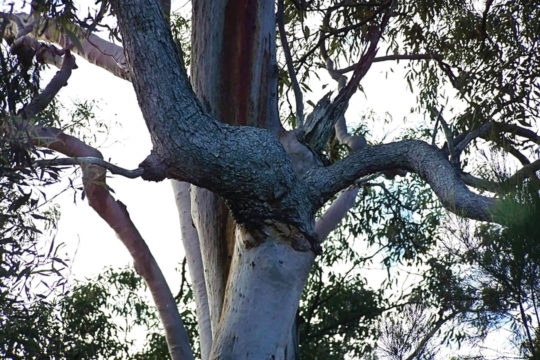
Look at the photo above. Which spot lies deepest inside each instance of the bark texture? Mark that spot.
(263, 292)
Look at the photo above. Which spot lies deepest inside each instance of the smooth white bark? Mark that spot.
(262, 296)
(190, 240)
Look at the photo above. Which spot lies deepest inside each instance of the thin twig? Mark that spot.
(290, 67)
(89, 160)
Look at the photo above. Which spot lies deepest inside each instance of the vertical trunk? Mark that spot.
(234, 74)
(263, 291)
(253, 298)
(234, 71)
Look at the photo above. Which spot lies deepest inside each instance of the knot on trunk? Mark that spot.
(154, 169)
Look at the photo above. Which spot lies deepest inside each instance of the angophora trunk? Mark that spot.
(263, 290)
(252, 298)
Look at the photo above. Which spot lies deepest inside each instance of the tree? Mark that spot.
(248, 190)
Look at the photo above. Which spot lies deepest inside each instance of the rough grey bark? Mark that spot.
(411, 155)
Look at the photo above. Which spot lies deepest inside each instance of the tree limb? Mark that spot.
(393, 58)
(422, 344)
(190, 240)
(412, 155)
(40, 102)
(95, 49)
(116, 215)
(89, 160)
(335, 213)
(461, 145)
(320, 123)
(290, 67)
(527, 171)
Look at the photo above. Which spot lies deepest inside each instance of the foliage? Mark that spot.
(99, 318)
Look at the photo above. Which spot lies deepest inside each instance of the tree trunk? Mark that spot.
(263, 290)
(234, 74)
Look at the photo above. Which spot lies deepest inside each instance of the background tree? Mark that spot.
(248, 217)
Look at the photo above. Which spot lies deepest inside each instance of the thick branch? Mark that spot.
(57, 82)
(335, 213)
(190, 239)
(246, 165)
(412, 155)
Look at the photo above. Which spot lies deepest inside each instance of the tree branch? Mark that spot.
(245, 165)
(88, 160)
(190, 240)
(59, 80)
(527, 171)
(320, 123)
(345, 201)
(290, 67)
(412, 155)
(116, 215)
(461, 145)
(96, 50)
(422, 344)
(335, 213)
(393, 58)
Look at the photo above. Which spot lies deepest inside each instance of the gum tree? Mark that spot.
(250, 174)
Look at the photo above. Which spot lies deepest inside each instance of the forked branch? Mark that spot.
(90, 160)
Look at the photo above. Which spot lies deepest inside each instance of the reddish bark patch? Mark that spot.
(239, 56)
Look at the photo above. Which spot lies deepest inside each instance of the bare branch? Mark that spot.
(290, 67)
(527, 171)
(320, 123)
(449, 137)
(335, 213)
(190, 240)
(393, 58)
(412, 155)
(96, 50)
(116, 215)
(88, 160)
(487, 130)
(57, 82)
(460, 146)
(345, 201)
